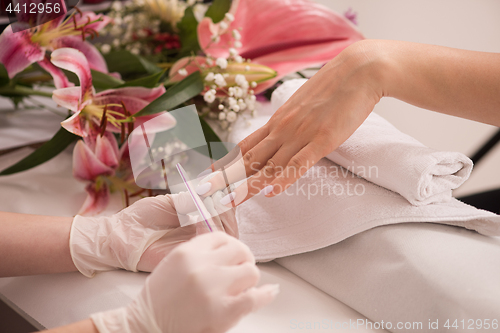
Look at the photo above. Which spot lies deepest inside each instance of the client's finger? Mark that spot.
(248, 165)
(237, 152)
(305, 159)
(264, 177)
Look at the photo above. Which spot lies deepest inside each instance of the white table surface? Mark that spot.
(53, 300)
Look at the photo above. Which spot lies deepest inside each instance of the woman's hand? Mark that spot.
(321, 115)
(328, 108)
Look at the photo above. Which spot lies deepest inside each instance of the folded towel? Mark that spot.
(380, 153)
(329, 204)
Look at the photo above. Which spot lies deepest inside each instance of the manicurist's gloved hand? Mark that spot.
(136, 238)
(204, 285)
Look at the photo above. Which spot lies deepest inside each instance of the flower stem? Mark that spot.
(23, 91)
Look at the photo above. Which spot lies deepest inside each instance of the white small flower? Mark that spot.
(221, 107)
(224, 124)
(225, 74)
(222, 116)
(105, 48)
(242, 104)
(135, 51)
(116, 5)
(240, 80)
(223, 25)
(182, 72)
(214, 86)
(209, 96)
(253, 84)
(221, 62)
(247, 68)
(215, 39)
(236, 108)
(210, 62)
(230, 91)
(238, 92)
(236, 34)
(116, 31)
(231, 101)
(209, 77)
(238, 59)
(229, 17)
(233, 52)
(231, 116)
(237, 44)
(116, 42)
(219, 80)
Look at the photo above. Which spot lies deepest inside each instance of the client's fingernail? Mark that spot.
(203, 188)
(204, 173)
(266, 190)
(228, 198)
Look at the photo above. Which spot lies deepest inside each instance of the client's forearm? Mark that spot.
(451, 81)
(34, 244)
(84, 326)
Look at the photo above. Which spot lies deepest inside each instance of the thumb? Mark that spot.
(253, 299)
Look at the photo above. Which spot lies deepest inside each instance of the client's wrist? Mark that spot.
(365, 66)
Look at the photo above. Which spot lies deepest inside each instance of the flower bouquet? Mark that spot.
(114, 70)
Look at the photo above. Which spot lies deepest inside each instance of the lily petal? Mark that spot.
(74, 125)
(106, 150)
(90, 17)
(146, 94)
(190, 64)
(75, 61)
(60, 80)
(286, 36)
(97, 199)
(94, 57)
(86, 165)
(68, 98)
(17, 51)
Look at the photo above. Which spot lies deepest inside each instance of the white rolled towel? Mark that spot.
(380, 153)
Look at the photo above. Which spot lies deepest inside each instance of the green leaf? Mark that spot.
(188, 34)
(100, 80)
(150, 81)
(210, 135)
(179, 93)
(4, 76)
(218, 9)
(104, 81)
(127, 63)
(50, 149)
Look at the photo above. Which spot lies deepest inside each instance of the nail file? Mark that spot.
(196, 198)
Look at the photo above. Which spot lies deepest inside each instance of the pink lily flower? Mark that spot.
(22, 43)
(286, 36)
(98, 160)
(104, 110)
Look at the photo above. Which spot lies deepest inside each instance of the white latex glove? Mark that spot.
(203, 286)
(136, 238)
